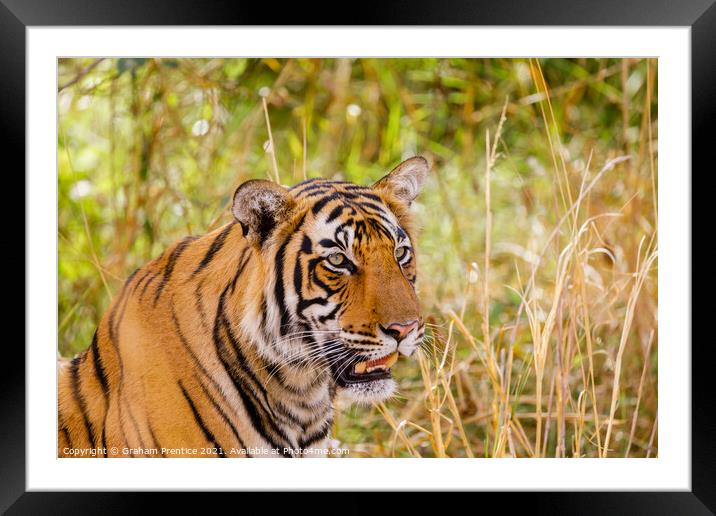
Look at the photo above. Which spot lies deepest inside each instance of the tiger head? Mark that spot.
(337, 293)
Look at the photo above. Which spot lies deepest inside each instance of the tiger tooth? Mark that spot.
(384, 364)
(391, 361)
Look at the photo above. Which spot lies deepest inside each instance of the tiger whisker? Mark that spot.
(308, 353)
(314, 355)
(341, 356)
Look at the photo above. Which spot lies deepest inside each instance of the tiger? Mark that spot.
(238, 342)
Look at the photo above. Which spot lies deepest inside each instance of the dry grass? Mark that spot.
(558, 326)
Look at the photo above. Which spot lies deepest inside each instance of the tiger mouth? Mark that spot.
(367, 370)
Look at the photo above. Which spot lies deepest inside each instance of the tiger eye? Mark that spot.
(400, 252)
(336, 259)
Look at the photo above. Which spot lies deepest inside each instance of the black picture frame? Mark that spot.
(17, 15)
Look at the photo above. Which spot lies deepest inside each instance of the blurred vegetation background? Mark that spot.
(537, 251)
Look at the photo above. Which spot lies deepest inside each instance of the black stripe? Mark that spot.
(243, 260)
(306, 182)
(381, 229)
(64, 429)
(151, 277)
(199, 305)
(315, 183)
(77, 391)
(114, 338)
(363, 195)
(379, 214)
(99, 368)
(328, 243)
(226, 418)
(305, 303)
(316, 189)
(298, 279)
(316, 280)
(241, 359)
(306, 248)
(141, 280)
(323, 191)
(154, 439)
(367, 205)
(321, 403)
(214, 248)
(199, 421)
(279, 292)
(67, 437)
(112, 327)
(306, 245)
(135, 425)
(292, 418)
(104, 437)
(360, 230)
(102, 377)
(246, 393)
(316, 436)
(190, 351)
(337, 211)
(325, 200)
(264, 311)
(330, 315)
(253, 411)
(130, 278)
(113, 331)
(169, 268)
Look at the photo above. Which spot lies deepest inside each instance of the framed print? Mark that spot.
(453, 257)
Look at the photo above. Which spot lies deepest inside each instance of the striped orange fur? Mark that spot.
(235, 343)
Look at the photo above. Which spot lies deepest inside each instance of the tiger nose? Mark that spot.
(399, 330)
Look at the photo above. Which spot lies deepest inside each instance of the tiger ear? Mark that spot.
(260, 206)
(405, 181)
